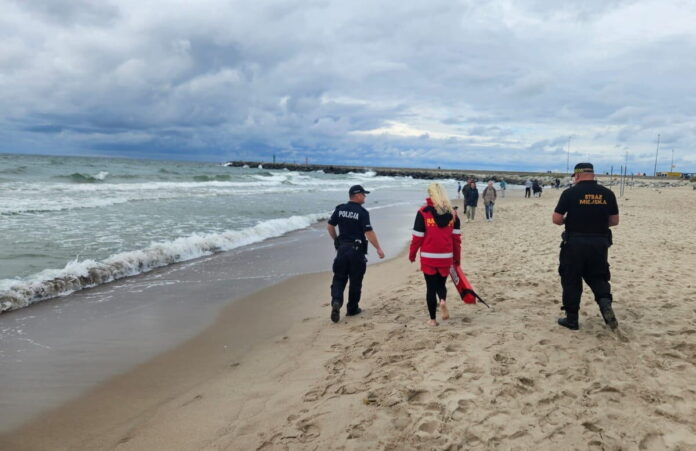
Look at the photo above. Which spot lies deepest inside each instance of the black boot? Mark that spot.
(570, 321)
(354, 312)
(335, 311)
(565, 322)
(608, 313)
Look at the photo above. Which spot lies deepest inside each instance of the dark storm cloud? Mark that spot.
(465, 83)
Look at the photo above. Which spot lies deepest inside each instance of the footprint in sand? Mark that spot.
(308, 430)
(371, 349)
(651, 442)
(416, 396)
(428, 426)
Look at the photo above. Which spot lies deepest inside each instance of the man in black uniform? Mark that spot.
(587, 210)
(354, 227)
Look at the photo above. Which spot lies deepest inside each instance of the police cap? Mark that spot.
(357, 189)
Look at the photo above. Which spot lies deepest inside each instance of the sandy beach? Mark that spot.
(274, 373)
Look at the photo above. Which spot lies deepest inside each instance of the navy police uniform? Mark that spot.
(584, 249)
(351, 246)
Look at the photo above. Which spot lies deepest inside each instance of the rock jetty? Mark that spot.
(515, 178)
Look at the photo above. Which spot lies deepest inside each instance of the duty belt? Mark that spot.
(585, 235)
(565, 236)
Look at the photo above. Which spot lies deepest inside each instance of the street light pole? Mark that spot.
(568, 158)
(672, 165)
(656, 152)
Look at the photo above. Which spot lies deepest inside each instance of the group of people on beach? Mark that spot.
(471, 196)
(586, 210)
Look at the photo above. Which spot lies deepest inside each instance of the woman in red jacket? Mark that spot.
(437, 233)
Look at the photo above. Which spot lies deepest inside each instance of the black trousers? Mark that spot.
(435, 285)
(527, 192)
(349, 265)
(584, 258)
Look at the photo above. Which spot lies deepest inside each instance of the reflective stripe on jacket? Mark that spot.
(439, 246)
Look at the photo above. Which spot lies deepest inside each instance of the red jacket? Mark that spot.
(439, 238)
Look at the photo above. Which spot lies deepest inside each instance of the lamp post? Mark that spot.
(656, 152)
(568, 158)
(672, 165)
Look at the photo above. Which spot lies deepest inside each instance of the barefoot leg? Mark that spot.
(443, 309)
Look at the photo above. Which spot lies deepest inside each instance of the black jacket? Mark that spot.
(471, 197)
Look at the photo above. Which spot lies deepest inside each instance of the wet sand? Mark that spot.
(55, 351)
(274, 373)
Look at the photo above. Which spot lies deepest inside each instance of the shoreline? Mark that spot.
(112, 410)
(117, 326)
(503, 378)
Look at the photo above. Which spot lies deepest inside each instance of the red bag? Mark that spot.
(464, 288)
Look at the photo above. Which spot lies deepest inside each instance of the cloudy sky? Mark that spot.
(452, 83)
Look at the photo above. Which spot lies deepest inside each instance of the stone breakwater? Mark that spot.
(514, 178)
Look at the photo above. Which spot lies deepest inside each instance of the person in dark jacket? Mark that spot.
(471, 201)
(465, 189)
(437, 234)
(354, 231)
(536, 188)
(586, 210)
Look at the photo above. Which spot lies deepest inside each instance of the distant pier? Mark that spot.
(515, 178)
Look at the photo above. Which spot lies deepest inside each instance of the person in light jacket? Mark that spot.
(489, 196)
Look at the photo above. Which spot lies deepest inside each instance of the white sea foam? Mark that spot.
(77, 275)
(102, 175)
(26, 197)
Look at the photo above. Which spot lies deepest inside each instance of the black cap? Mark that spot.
(583, 167)
(357, 189)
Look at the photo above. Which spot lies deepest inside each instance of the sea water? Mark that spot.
(69, 223)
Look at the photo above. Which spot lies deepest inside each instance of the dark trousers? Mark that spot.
(435, 285)
(527, 192)
(584, 258)
(349, 265)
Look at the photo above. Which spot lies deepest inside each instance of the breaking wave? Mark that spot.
(77, 275)
(84, 178)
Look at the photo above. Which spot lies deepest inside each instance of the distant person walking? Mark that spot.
(459, 189)
(503, 187)
(437, 234)
(465, 189)
(528, 188)
(536, 188)
(471, 201)
(587, 210)
(355, 230)
(489, 197)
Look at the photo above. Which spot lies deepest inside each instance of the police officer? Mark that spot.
(354, 227)
(588, 210)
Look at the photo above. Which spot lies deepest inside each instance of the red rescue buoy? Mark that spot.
(464, 288)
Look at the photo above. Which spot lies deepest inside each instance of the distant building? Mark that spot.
(675, 175)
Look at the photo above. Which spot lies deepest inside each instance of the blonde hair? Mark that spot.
(440, 199)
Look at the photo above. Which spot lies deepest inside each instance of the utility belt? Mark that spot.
(357, 245)
(565, 236)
